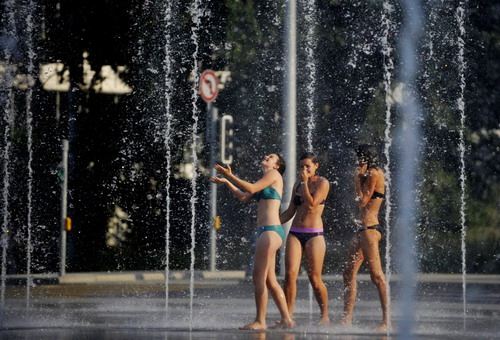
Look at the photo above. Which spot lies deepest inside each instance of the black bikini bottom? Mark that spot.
(304, 237)
(373, 227)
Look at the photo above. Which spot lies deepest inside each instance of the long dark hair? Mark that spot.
(281, 164)
(369, 154)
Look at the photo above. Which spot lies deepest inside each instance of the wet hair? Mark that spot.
(309, 155)
(369, 154)
(281, 164)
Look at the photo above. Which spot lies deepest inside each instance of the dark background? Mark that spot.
(118, 155)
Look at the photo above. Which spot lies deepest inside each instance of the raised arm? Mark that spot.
(266, 180)
(240, 195)
(312, 201)
(364, 191)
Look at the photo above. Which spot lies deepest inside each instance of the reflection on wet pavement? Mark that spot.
(109, 311)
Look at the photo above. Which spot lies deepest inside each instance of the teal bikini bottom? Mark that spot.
(276, 228)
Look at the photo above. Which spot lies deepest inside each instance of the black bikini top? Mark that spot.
(376, 195)
(297, 199)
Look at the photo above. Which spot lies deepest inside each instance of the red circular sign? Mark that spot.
(209, 85)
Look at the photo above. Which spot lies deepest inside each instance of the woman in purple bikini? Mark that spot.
(306, 234)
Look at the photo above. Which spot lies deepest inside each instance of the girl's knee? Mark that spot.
(273, 286)
(347, 274)
(377, 279)
(291, 275)
(258, 278)
(315, 279)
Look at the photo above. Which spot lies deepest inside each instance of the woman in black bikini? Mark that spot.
(370, 188)
(306, 234)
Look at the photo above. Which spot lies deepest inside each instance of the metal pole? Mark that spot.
(290, 104)
(64, 205)
(213, 187)
(58, 106)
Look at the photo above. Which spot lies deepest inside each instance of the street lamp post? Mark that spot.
(64, 206)
(290, 104)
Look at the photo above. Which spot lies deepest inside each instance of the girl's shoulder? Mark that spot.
(273, 174)
(276, 176)
(375, 171)
(323, 181)
(297, 185)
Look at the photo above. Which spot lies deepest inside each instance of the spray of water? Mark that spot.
(167, 69)
(196, 15)
(462, 66)
(5, 191)
(5, 195)
(310, 21)
(387, 51)
(409, 157)
(29, 125)
(430, 35)
(9, 31)
(311, 294)
(309, 8)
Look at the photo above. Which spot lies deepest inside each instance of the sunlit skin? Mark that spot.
(268, 243)
(365, 246)
(307, 215)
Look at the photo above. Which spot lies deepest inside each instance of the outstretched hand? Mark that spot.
(217, 180)
(223, 171)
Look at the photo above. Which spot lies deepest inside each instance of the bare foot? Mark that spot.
(383, 327)
(256, 325)
(284, 324)
(346, 321)
(280, 321)
(324, 321)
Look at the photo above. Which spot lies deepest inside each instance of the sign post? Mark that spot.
(64, 208)
(209, 86)
(209, 89)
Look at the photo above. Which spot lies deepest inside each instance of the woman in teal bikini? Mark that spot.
(270, 234)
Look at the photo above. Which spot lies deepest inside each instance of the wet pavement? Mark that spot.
(141, 310)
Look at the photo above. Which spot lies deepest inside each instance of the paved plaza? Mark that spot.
(136, 305)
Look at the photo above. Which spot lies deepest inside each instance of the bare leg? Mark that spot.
(354, 261)
(369, 240)
(264, 277)
(315, 254)
(293, 257)
(274, 287)
(260, 268)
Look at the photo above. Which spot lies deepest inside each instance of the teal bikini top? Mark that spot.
(268, 193)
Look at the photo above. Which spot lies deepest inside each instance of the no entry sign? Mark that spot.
(209, 85)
